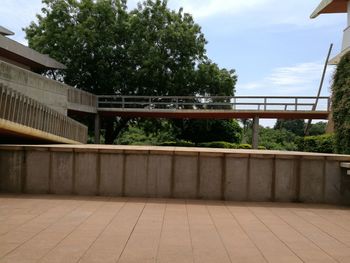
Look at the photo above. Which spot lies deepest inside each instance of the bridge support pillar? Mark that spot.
(97, 129)
(255, 140)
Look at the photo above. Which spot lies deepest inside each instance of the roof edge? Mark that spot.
(28, 53)
(320, 8)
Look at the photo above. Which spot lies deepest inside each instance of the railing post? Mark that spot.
(123, 101)
(265, 104)
(296, 104)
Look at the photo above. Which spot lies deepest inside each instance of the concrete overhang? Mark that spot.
(337, 58)
(5, 31)
(330, 6)
(14, 51)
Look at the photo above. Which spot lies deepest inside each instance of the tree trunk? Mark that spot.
(114, 127)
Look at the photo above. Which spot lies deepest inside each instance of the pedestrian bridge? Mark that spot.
(36, 108)
(215, 107)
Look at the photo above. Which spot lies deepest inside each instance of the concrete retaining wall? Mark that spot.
(51, 93)
(169, 172)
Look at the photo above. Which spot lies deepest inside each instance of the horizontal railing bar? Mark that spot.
(207, 97)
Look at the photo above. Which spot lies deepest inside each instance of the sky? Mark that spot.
(273, 45)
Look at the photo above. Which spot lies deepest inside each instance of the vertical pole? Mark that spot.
(314, 107)
(255, 142)
(97, 129)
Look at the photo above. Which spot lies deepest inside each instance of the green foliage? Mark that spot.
(262, 148)
(199, 131)
(109, 49)
(282, 140)
(295, 126)
(178, 144)
(244, 146)
(320, 144)
(225, 145)
(341, 105)
(318, 128)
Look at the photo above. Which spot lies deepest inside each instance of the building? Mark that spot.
(336, 6)
(34, 108)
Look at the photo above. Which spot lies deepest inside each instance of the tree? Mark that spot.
(294, 126)
(318, 128)
(107, 49)
(341, 105)
(209, 130)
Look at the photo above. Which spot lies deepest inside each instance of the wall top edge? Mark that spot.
(175, 150)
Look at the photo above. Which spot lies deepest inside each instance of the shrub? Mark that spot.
(262, 148)
(244, 146)
(225, 145)
(320, 144)
(178, 144)
(341, 105)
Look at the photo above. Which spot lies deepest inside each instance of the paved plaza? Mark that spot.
(100, 229)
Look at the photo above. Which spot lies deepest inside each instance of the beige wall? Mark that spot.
(167, 172)
(44, 90)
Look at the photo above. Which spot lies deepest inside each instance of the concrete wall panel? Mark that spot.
(111, 174)
(236, 179)
(159, 176)
(85, 176)
(311, 180)
(185, 176)
(136, 175)
(62, 173)
(211, 177)
(333, 182)
(10, 171)
(37, 172)
(260, 179)
(286, 180)
(183, 173)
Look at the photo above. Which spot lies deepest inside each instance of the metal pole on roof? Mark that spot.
(308, 125)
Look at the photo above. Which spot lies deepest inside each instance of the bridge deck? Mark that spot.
(214, 114)
(215, 107)
(98, 229)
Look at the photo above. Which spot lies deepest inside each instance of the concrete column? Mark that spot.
(97, 129)
(255, 141)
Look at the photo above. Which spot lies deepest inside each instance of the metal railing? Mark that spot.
(20, 109)
(238, 103)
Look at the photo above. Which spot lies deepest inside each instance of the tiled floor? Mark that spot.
(97, 229)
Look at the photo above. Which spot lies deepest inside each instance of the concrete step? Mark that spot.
(345, 165)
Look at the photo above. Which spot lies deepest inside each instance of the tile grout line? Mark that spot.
(73, 209)
(294, 212)
(246, 233)
(303, 235)
(189, 230)
(334, 223)
(217, 232)
(33, 218)
(104, 228)
(270, 230)
(132, 231)
(161, 231)
(70, 231)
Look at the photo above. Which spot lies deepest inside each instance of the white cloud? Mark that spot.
(207, 8)
(298, 80)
